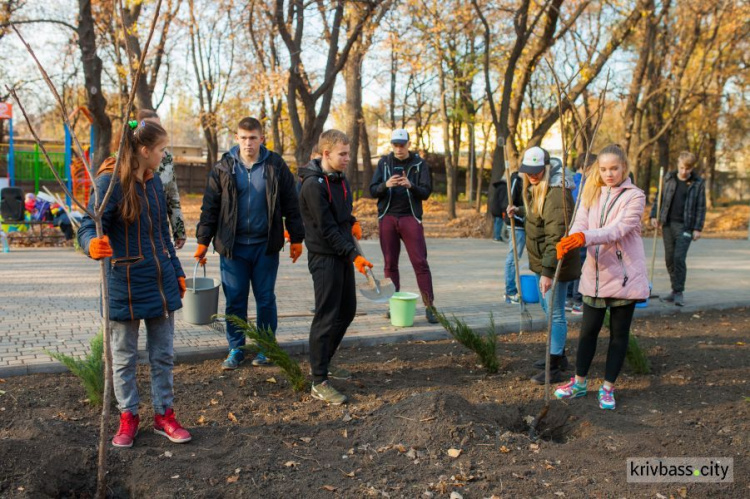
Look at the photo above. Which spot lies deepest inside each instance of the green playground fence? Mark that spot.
(32, 167)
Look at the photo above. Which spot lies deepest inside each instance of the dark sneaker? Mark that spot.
(568, 305)
(429, 314)
(539, 364)
(325, 392)
(555, 371)
(670, 297)
(679, 300)
(555, 376)
(336, 372)
(261, 360)
(167, 426)
(233, 360)
(127, 431)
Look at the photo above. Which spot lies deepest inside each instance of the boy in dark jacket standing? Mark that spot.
(400, 184)
(516, 191)
(498, 205)
(248, 192)
(683, 211)
(326, 206)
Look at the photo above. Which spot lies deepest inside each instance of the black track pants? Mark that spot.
(335, 306)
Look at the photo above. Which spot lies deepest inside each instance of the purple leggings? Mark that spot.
(393, 230)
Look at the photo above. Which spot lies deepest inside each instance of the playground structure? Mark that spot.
(25, 166)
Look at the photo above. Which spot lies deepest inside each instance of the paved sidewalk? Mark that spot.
(49, 298)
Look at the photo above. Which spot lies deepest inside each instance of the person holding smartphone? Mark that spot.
(401, 182)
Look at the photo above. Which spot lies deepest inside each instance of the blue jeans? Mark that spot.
(497, 228)
(559, 324)
(249, 265)
(159, 342)
(510, 266)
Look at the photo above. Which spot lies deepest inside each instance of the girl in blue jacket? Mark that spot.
(145, 279)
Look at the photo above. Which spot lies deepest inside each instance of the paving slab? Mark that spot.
(49, 298)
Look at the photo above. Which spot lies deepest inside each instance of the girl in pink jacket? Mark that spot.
(608, 224)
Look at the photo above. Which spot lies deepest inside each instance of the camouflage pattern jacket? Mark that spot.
(172, 194)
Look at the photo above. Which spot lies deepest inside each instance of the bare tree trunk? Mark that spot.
(394, 74)
(92, 71)
(711, 147)
(212, 145)
(450, 169)
(471, 170)
(480, 175)
(147, 83)
(276, 108)
(130, 19)
(353, 77)
(452, 183)
(316, 102)
(636, 83)
(367, 169)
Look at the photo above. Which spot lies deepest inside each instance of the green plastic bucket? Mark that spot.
(201, 301)
(403, 308)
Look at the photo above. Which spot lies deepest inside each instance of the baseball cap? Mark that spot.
(535, 159)
(399, 136)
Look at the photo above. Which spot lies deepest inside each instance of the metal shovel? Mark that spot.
(374, 290)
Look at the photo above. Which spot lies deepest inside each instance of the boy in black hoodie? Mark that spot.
(326, 207)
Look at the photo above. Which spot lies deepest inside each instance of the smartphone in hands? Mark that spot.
(398, 171)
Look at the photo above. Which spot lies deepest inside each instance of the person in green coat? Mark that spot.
(548, 210)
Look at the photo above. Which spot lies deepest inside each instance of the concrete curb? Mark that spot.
(402, 335)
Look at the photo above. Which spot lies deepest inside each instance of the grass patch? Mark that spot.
(90, 369)
(485, 347)
(265, 341)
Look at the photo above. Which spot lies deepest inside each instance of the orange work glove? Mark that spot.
(183, 287)
(99, 248)
(200, 253)
(286, 236)
(361, 264)
(357, 230)
(566, 244)
(295, 251)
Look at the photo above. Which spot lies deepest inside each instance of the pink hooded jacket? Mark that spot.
(615, 261)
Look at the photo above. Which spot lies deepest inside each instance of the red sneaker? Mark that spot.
(168, 426)
(127, 431)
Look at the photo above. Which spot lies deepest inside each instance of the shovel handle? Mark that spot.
(371, 279)
(370, 276)
(359, 248)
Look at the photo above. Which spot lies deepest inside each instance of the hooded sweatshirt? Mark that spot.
(252, 220)
(326, 208)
